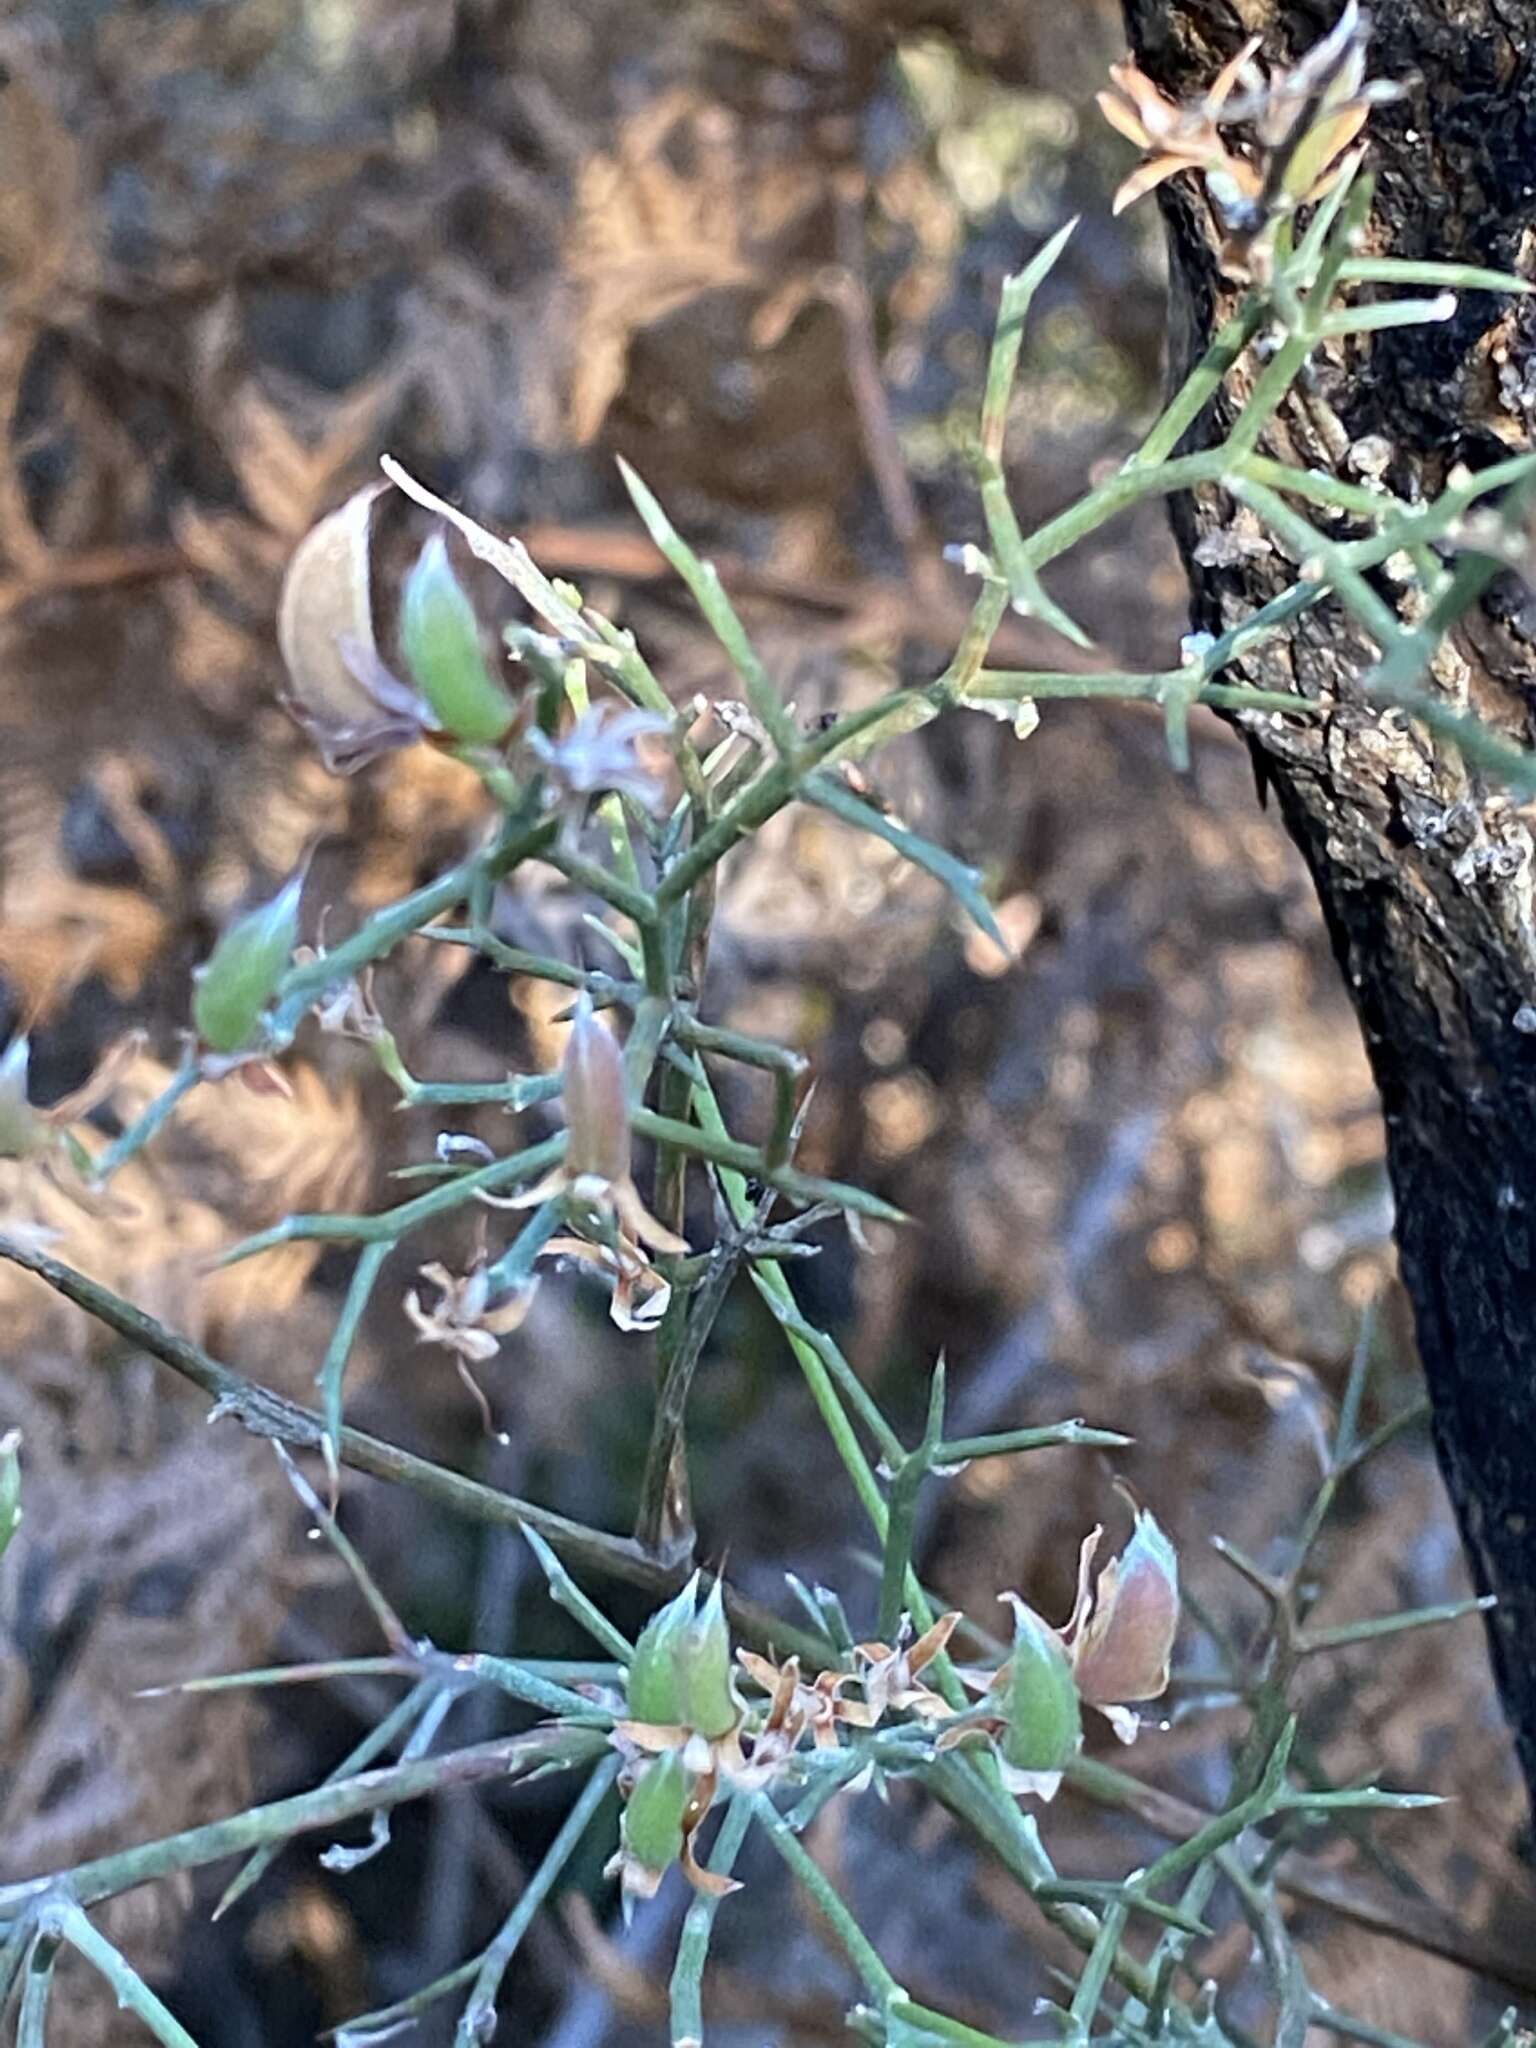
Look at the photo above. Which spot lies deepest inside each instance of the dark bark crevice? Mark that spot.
(1425, 874)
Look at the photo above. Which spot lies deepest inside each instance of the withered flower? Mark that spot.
(1303, 118)
(346, 1009)
(597, 1172)
(600, 752)
(799, 1706)
(640, 1294)
(1178, 138)
(1308, 115)
(463, 1321)
(890, 1673)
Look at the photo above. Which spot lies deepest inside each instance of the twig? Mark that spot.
(270, 1415)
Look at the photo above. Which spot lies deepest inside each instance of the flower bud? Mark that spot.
(440, 639)
(596, 1101)
(239, 977)
(1044, 1721)
(701, 1656)
(1122, 1636)
(651, 1830)
(654, 1691)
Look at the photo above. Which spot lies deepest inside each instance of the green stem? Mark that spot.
(1199, 387)
(477, 2022)
(269, 1415)
(37, 1983)
(876, 1978)
(392, 1224)
(959, 1450)
(374, 1744)
(326, 1806)
(1095, 1974)
(332, 1371)
(150, 1120)
(708, 593)
(687, 1989)
(382, 932)
(722, 1150)
(901, 1512)
(941, 2024)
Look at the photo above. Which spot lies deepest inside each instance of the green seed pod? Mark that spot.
(654, 1692)
(440, 640)
(10, 1486)
(702, 1659)
(1044, 1721)
(652, 1826)
(239, 977)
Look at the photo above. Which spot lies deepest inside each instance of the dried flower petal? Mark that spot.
(462, 1321)
(1305, 118)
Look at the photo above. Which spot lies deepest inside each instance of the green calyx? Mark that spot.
(1043, 1718)
(652, 1824)
(654, 1692)
(681, 1673)
(440, 639)
(10, 1487)
(241, 974)
(703, 1660)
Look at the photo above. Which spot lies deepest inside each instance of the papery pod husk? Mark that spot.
(1122, 1651)
(440, 640)
(338, 688)
(1043, 1720)
(651, 1828)
(241, 974)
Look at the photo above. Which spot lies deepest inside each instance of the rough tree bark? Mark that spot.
(1425, 874)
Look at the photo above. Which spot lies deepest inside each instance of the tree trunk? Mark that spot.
(1425, 874)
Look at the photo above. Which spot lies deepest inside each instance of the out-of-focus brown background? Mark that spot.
(243, 248)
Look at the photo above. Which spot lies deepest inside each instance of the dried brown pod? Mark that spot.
(338, 687)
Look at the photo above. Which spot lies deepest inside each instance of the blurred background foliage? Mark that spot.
(245, 245)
